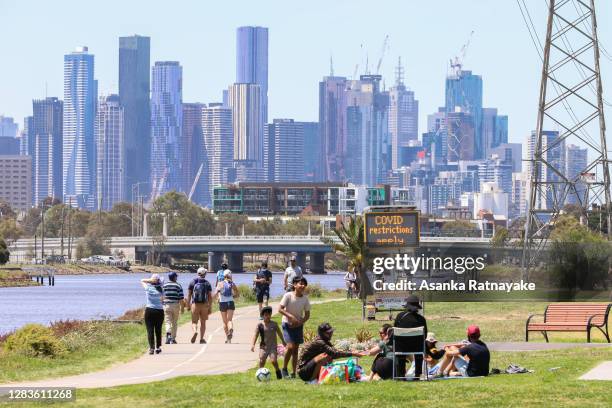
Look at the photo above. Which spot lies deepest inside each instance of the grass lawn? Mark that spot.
(498, 321)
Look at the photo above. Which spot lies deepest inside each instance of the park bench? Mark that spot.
(571, 317)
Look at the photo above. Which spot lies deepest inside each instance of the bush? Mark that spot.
(89, 335)
(246, 293)
(134, 314)
(34, 340)
(309, 334)
(363, 334)
(315, 290)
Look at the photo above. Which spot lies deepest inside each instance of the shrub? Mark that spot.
(315, 290)
(89, 335)
(63, 327)
(246, 293)
(34, 340)
(134, 314)
(309, 334)
(363, 334)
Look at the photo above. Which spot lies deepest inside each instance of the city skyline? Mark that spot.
(510, 70)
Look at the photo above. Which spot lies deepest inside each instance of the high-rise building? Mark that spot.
(332, 125)
(9, 145)
(403, 117)
(218, 145)
(436, 127)
(510, 153)
(494, 130)
(16, 181)
(79, 158)
(464, 94)
(576, 162)
(244, 99)
(134, 90)
(520, 194)
(166, 124)
(26, 142)
(192, 151)
(8, 127)
(252, 63)
(312, 147)
(110, 147)
(286, 151)
(553, 152)
(496, 170)
(461, 136)
(47, 148)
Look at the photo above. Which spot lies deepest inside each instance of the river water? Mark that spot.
(84, 297)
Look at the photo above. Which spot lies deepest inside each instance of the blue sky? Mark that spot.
(201, 35)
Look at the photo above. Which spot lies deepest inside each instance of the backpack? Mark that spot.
(200, 292)
(227, 289)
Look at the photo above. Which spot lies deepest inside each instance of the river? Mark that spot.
(84, 297)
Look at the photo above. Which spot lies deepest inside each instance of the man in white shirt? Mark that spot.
(293, 271)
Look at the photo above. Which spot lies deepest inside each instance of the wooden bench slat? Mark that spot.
(571, 317)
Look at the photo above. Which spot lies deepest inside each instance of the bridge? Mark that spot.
(235, 246)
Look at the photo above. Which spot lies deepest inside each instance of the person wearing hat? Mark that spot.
(293, 271)
(433, 354)
(470, 360)
(408, 319)
(174, 299)
(221, 274)
(319, 352)
(199, 298)
(154, 311)
(226, 291)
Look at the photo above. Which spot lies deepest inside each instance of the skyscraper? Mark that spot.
(134, 88)
(553, 151)
(110, 147)
(312, 148)
(461, 136)
(403, 117)
(464, 94)
(192, 150)
(8, 127)
(244, 99)
(494, 130)
(286, 149)
(332, 125)
(166, 124)
(252, 63)
(576, 162)
(219, 145)
(79, 159)
(47, 147)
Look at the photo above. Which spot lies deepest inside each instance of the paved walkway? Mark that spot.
(601, 372)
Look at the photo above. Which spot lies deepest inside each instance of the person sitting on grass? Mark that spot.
(295, 308)
(471, 360)
(267, 332)
(382, 367)
(320, 352)
(433, 354)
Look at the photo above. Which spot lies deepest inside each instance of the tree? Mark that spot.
(95, 242)
(460, 228)
(351, 235)
(184, 217)
(233, 221)
(501, 237)
(6, 210)
(10, 231)
(299, 226)
(4, 252)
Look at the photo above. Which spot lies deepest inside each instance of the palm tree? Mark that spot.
(351, 235)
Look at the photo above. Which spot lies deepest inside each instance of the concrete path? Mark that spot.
(601, 372)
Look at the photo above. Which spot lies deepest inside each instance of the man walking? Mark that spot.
(408, 319)
(263, 280)
(173, 300)
(200, 299)
(293, 271)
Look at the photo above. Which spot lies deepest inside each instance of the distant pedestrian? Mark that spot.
(267, 332)
(263, 280)
(221, 274)
(200, 299)
(293, 271)
(295, 308)
(174, 302)
(154, 312)
(226, 291)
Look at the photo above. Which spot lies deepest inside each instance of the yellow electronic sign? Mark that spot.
(394, 229)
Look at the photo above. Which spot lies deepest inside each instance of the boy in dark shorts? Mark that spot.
(262, 280)
(267, 332)
(295, 308)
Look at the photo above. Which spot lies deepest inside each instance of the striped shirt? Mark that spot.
(173, 293)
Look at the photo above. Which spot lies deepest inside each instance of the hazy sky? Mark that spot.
(34, 36)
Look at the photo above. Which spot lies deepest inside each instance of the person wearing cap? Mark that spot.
(174, 299)
(293, 271)
(221, 274)
(408, 319)
(226, 291)
(262, 281)
(295, 308)
(154, 311)
(267, 331)
(470, 360)
(433, 354)
(199, 298)
(319, 352)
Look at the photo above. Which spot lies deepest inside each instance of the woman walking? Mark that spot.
(226, 292)
(154, 312)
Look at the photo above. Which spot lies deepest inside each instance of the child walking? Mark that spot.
(267, 332)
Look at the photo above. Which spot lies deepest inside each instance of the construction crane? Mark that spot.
(158, 186)
(457, 62)
(199, 173)
(382, 53)
(331, 70)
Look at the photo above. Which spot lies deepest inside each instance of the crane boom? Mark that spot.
(382, 53)
(197, 179)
